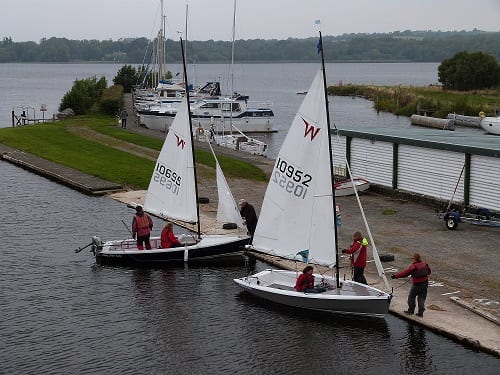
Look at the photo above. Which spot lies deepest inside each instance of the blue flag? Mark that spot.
(304, 254)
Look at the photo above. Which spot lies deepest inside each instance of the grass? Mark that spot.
(433, 100)
(55, 142)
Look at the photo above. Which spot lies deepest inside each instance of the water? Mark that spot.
(63, 314)
(31, 85)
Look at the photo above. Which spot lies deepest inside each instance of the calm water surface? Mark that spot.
(63, 314)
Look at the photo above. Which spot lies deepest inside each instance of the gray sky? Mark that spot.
(25, 20)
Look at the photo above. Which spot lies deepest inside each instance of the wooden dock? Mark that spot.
(80, 181)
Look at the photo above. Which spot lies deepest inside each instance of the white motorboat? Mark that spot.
(298, 217)
(224, 112)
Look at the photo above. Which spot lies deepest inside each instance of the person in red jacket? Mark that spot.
(141, 226)
(419, 271)
(358, 257)
(305, 281)
(168, 238)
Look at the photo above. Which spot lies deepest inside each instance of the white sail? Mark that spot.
(171, 193)
(227, 210)
(297, 212)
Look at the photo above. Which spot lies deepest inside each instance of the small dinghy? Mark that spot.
(298, 218)
(345, 187)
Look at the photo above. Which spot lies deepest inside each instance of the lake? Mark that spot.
(63, 314)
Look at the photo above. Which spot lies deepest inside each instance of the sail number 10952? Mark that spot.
(291, 179)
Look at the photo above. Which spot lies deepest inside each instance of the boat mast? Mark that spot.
(320, 46)
(191, 135)
(161, 45)
(232, 69)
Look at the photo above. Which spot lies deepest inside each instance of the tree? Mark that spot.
(469, 71)
(127, 77)
(83, 95)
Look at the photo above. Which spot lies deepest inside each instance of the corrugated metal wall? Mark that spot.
(485, 182)
(338, 151)
(431, 172)
(372, 160)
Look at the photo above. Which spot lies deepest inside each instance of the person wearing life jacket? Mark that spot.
(419, 271)
(141, 226)
(305, 282)
(168, 238)
(358, 257)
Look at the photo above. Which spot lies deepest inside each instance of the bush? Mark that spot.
(112, 99)
(127, 77)
(83, 95)
(469, 71)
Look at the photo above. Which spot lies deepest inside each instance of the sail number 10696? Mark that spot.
(291, 179)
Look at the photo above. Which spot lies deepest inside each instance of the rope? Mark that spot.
(409, 278)
(372, 242)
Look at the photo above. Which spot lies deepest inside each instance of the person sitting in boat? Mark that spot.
(168, 238)
(141, 226)
(305, 282)
(358, 257)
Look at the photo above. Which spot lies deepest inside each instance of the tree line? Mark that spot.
(402, 46)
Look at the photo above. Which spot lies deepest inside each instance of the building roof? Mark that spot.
(460, 140)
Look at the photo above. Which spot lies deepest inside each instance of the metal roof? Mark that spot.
(474, 143)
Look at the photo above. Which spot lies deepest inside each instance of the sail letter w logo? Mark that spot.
(310, 130)
(180, 142)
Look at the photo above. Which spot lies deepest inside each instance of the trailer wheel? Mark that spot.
(451, 223)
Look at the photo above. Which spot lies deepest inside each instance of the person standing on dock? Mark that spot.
(419, 271)
(358, 257)
(249, 217)
(123, 117)
(141, 227)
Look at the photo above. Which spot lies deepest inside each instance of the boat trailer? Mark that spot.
(476, 216)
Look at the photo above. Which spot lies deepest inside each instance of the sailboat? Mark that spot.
(173, 194)
(298, 217)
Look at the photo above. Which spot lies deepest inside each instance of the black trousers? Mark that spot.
(418, 291)
(359, 275)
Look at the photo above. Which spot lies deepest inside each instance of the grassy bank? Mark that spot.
(436, 102)
(96, 146)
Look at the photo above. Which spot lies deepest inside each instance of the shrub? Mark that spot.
(112, 99)
(83, 95)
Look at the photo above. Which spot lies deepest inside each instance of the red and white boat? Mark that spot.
(346, 187)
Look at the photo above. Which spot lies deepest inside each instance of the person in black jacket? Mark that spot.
(249, 217)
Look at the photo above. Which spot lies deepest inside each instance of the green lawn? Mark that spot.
(53, 141)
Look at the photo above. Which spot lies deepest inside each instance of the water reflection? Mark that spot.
(418, 360)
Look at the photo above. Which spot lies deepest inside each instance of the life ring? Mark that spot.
(482, 114)
(201, 131)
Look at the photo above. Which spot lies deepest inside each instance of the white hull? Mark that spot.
(245, 124)
(343, 188)
(491, 124)
(352, 298)
(154, 122)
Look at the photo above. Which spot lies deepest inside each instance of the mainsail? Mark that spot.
(172, 190)
(297, 211)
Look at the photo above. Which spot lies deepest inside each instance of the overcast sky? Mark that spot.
(32, 20)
